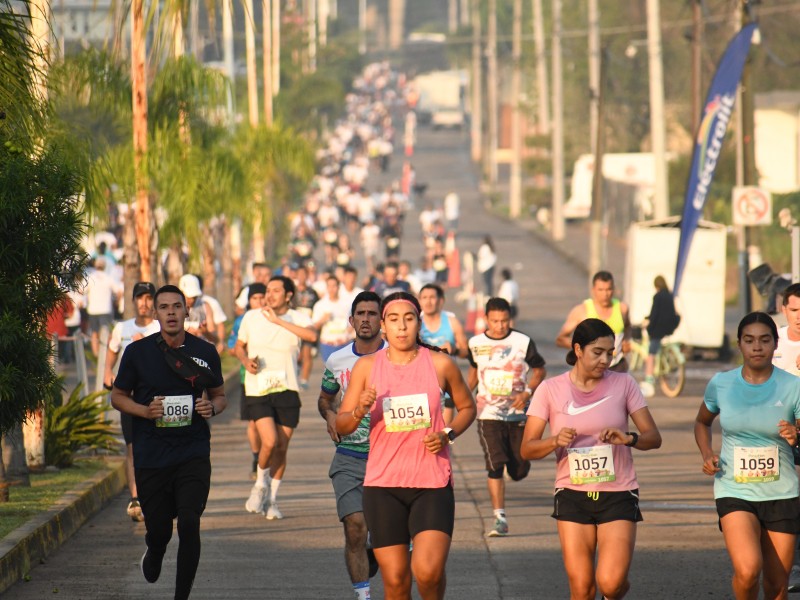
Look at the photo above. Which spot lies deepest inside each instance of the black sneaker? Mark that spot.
(373, 563)
(151, 566)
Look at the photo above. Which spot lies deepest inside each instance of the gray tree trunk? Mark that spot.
(14, 458)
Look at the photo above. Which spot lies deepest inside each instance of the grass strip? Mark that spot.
(45, 489)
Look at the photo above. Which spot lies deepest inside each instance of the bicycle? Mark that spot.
(670, 363)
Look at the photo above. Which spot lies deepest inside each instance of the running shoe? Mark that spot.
(500, 528)
(135, 510)
(151, 566)
(273, 512)
(258, 500)
(794, 579)
(373, 563)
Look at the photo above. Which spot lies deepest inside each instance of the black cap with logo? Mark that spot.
(144, 287)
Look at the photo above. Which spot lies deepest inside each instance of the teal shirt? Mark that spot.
(749, 416)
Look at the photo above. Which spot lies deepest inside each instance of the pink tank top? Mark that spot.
(407, 408)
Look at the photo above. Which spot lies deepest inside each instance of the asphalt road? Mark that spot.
(679, 551)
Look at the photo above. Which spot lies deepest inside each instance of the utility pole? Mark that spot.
(542, 89)
(250, 47)
(228, 54)
(266, 49)
(324, 14)
(697, 63)
(557, 228)
(476, 118)
(491, 91)
(594, 72)
(597, 255)
(515, 188)
(276, 47)
(452, 16)
(464, 13)
(311, 23)
(362, 27)
(658, 134)
(745, 161)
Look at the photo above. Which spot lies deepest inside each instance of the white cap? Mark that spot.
(190, 286)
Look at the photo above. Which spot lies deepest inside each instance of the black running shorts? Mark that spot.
(396, 515)
(782, 516)
(596, 508)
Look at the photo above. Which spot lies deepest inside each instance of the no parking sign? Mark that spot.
(751, 206)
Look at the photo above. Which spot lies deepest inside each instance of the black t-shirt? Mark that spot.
(144, 370)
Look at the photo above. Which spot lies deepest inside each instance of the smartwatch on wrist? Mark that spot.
(451, 435)
(635, 437)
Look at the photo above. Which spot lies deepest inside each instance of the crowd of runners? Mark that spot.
(385, 355)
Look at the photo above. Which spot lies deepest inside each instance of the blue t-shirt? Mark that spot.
(144, 371)
(749, 416)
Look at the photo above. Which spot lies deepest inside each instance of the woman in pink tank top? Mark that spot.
(596, 500)
(408, 487)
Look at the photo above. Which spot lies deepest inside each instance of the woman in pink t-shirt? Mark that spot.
(408, 487)
(596, 500)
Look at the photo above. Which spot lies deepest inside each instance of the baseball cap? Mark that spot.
(190, 286)
(256, 288)
(143, 287)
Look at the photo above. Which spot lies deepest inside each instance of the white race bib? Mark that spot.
(266, 381)
(498, 382)
(406, 413)
(177, 411)
(756, 465)
(591, 465)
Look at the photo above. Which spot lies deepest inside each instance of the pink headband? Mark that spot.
(385, 308)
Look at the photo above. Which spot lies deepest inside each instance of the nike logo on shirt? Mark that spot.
(576, 410)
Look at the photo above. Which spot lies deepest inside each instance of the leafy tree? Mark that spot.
(40, 216)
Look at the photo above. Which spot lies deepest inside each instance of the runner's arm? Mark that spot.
(575, 316)
(214, 404)
(702, 435)
(461, 395)
(533, 447)
(325, 404)
(649, 436)
(461, 350)
(358, 398)
(627, 332)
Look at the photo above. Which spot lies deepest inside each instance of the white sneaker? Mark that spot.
(273, 512)
(794, 579)
(258, 500)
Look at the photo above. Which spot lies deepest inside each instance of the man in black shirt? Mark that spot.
(160, 383)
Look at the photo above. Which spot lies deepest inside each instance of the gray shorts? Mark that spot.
(347, 474)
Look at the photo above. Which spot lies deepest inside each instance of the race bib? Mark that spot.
(498, 382)
(177, 411)
(265, 382)
(406, 413)
(756, 465)
(591, 465)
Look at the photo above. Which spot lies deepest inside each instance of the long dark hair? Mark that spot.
(587, 331)
(757, 317)
(406, 297)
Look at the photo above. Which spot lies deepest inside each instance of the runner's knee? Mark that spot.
(188, 524)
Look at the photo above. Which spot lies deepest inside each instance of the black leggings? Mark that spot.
(179, 491)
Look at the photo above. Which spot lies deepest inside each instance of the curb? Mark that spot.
(32, 542)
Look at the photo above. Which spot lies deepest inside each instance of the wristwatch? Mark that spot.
(633, 435)
(213, 409)
(451, 435)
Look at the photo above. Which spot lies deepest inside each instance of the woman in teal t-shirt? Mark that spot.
(755, 484)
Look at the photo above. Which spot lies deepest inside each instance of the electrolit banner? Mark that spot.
(717, 114)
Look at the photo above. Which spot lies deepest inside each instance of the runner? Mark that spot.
(125, 332)
(304, 300)
(408, 487)
(787, 357)
(255, 297)
(499, 362)
(331, 318)
(268, 345)
(602, 305)
(161, 383)
(350, 460)
(755, 483)
(597, 510)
